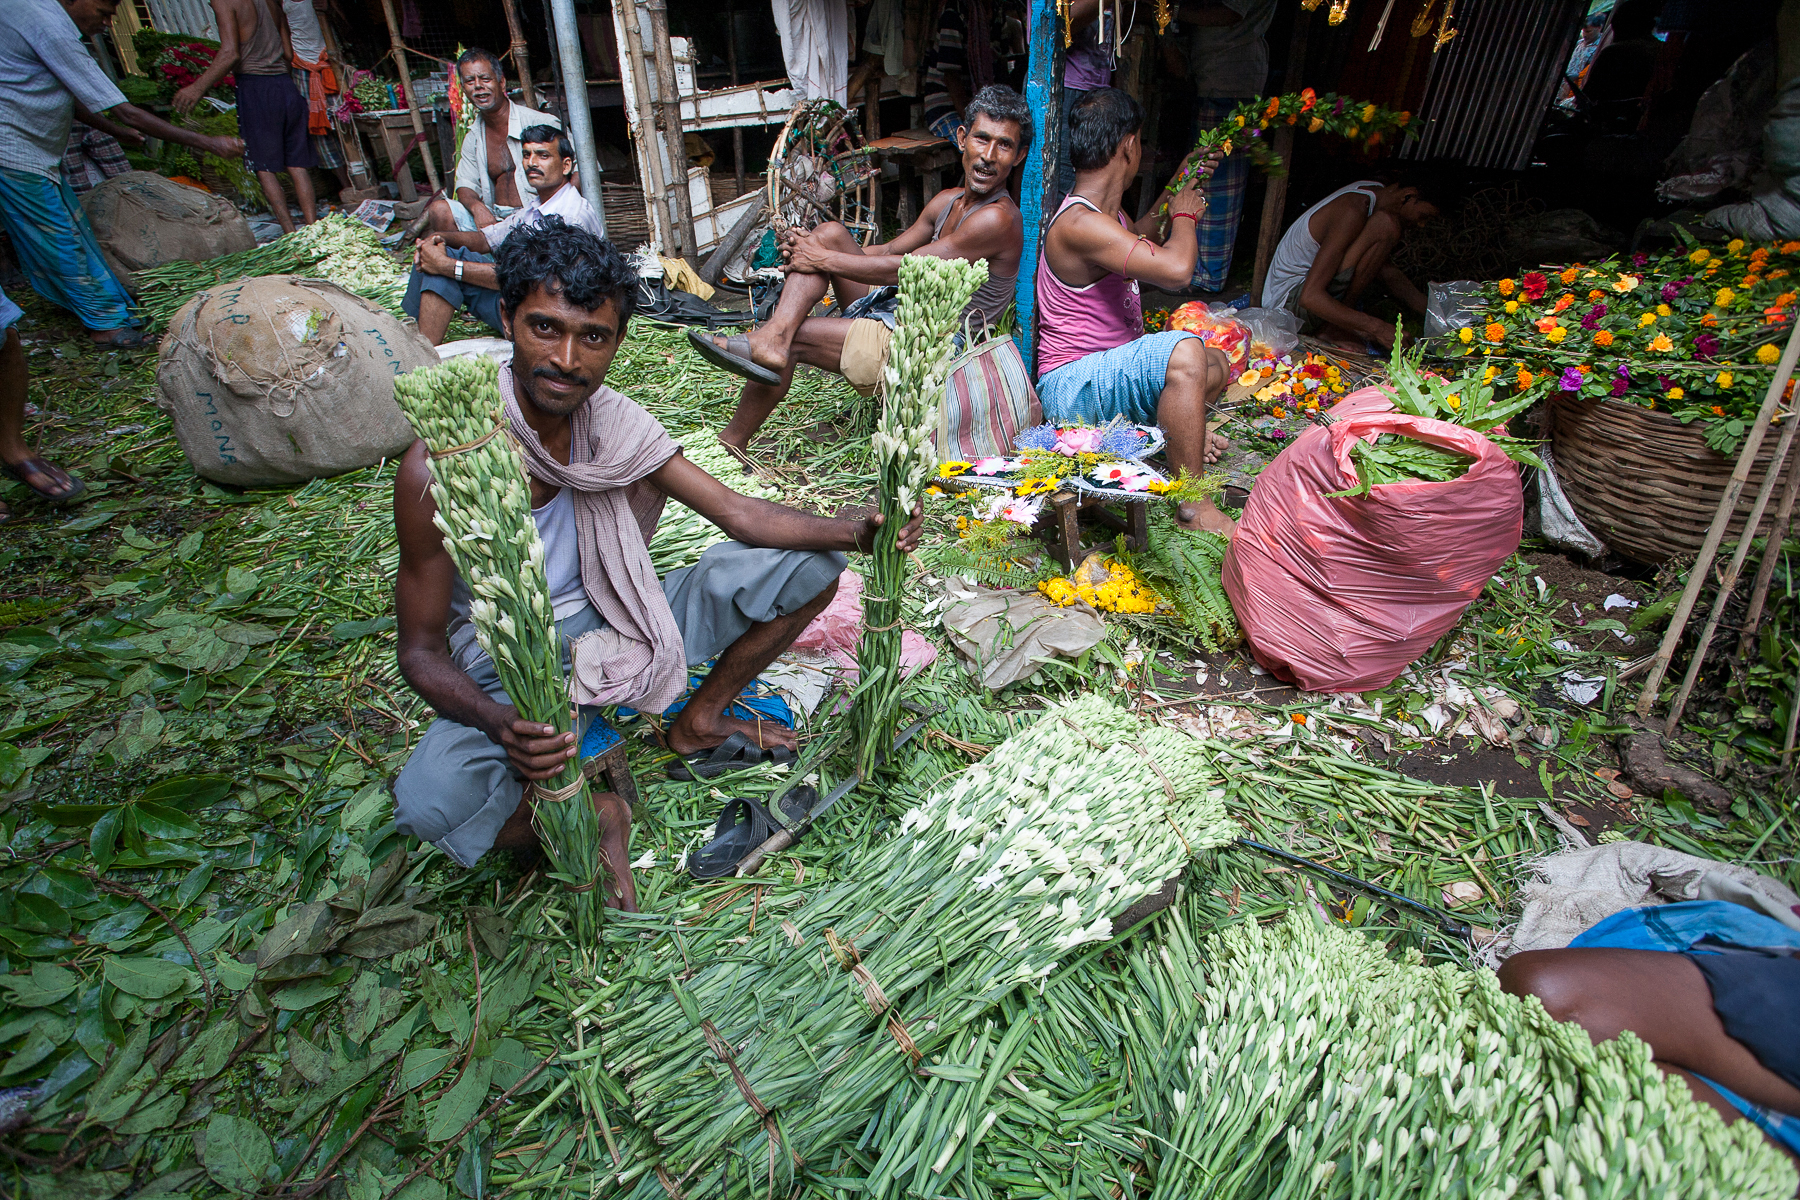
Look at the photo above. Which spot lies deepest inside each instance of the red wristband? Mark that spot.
(1194, 217)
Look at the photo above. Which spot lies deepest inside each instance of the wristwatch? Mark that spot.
(459, 270)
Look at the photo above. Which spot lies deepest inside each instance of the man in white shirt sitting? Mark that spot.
(490, 165)
(455, 270)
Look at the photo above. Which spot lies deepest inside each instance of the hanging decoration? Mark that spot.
(1445, 33)
(1164, 17)
(1422, 19)
(1339, 10)
(1310, 5)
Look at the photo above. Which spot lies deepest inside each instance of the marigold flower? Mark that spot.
(1790, 247)
(1767, 353)
(1699, 256)
(1625, 283)
(1724, 379)
(1710, 320)
(1402, 119)
(1495, 332)
(1273, 108)
(1278, 413)
(1603, 338)
(1783, 300)
(1556, 335)
(1725, 296)
(1568, 276)
(1647, 320)
(1505, 287)
(1526, 378)
(1465, 335)
(1563, 301)
(1675, 393)
(1717, 411)
(1595, 293)
(1512, 306)
(1661, 343)
(1299, 718)
(1750, 281)
(1735, 245)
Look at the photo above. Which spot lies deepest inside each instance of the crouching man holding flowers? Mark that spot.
(600, 470)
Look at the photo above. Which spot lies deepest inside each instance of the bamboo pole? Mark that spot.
(669, 100)
(412, 104)
(1740, 474)
(655, 192)
(1729, 583)
(1765, 573)
(521, 53)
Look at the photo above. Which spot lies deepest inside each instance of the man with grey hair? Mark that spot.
(975, 221)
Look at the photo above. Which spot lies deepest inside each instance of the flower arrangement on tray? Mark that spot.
(1695, 334)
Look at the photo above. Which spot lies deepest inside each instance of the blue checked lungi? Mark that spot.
(9, 313)
(1126, 381)
(1217, 227)
(58, 251)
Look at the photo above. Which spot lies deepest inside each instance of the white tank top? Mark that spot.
(562, 555)
(1298, 248)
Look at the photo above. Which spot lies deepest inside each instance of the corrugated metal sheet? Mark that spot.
(184, 16)
(1490, 88)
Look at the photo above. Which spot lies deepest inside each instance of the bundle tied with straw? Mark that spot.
(483, 499)
(933, 293)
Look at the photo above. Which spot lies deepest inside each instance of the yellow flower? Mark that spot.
(1556, 335)
(1661, 343)
(1724, 379)
(1487, 375)
(1663, 310)
(1699, 256)
(1735, 245)
(1455, 403)
(1725, 296)
(1767, 354)
(1250, 378)
(1316, 124)
(950, 470)
(1675, 393)
(1512, 306)
(1368, 113)
(1032, 487)
(1625, 283)
(1465, 335)
(1647, 319)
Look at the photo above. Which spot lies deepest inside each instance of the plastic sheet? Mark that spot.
(1341, 594)
(1218, 326)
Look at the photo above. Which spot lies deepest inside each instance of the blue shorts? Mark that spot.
(1126, 381)
(482, 303)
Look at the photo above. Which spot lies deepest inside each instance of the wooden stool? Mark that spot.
(1067, 508)
(609, 762)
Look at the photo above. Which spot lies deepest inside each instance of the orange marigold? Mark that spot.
(1661, 343)
(1495, 332)
(1563, 301)
(1595, 293)
(1603, 338)
(1505, 287)
(1568, 276)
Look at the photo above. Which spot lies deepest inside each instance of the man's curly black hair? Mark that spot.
(565, 260)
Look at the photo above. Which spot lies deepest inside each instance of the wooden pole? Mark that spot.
(355, 165)
(1740, 474)
(731, 63)
(1729, 583)
(656, 193)
(521, 53)
(1765, 573)
(412, 104)
(1268, 233)
(669, 100)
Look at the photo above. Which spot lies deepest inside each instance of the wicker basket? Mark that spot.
(1646, 484)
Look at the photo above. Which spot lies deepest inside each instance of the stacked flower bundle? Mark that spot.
(751, 1052)
(1695, 334)
(1324, 1067)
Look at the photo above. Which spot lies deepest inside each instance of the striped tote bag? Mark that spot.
(988, 399)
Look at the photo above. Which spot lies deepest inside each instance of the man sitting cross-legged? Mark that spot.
(1095, 363)
(976, 221)
(454, 270)
(600, 470)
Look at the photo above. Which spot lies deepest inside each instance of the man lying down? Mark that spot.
(600, 471)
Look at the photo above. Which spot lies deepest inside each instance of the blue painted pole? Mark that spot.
(1043, 92)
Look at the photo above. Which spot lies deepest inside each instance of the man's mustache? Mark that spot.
(556, 376)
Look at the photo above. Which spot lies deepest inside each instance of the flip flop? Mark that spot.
(743, 825)
(17, 473)
(733, 754)
(733, 356)
(121, 339)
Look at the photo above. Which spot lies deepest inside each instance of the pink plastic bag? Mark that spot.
(838, 628)
(1339, 595)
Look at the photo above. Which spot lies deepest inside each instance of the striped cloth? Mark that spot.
(58, 251)
(92, 158)
(1217, 227)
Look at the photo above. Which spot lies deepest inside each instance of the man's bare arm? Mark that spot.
(151, 125)
(878, 265)
(763, 523)
(430, 257)
(1399, 283)
(225, 13)
(1342, 225)
(422, 614)
(123, 133)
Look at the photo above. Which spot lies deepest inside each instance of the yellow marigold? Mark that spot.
(1724, 379)
(1488, 373)
(1506, 287)
(1495, 332)
(1556, 335)
(1316, 124)
(1735, 245)
(1647, 319)
(1595, 293)
(1603, 338)
(1663, 310)
(1699, 256)
(1675, 393)
(1455, 402)
(1465, 335)
(1368, 113)
(1767, 354)
(1512, 306)
(1526, 378)
(1568, 276)
(1725, 296)
(1661, 343)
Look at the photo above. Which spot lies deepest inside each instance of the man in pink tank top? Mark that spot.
(976, 221)
(1094, 362)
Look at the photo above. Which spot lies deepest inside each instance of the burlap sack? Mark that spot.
(283, 379)
(144, 220)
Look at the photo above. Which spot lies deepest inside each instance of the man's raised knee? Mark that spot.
(1539, 973)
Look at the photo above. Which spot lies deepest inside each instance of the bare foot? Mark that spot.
(1204, 514)
(1216, 446)
(615, 853)
(689, 737)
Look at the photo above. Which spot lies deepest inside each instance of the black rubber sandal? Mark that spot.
(733, 754)
(733, 356)
(743, 825)
(18, 473)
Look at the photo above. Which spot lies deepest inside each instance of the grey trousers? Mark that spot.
(459, 787)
